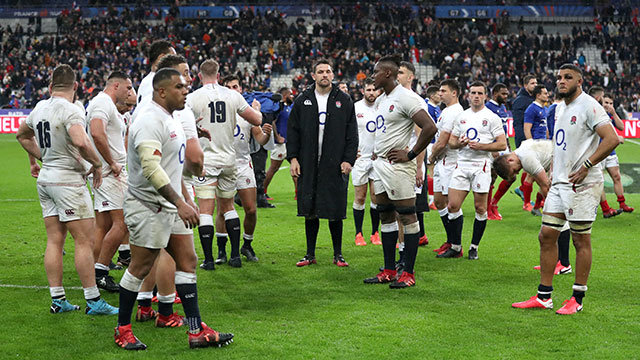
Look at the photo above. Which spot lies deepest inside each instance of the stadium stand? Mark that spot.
(269, 49)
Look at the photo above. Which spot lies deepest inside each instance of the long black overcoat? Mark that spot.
(322, 188)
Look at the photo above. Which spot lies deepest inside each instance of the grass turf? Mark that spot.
(458, 309)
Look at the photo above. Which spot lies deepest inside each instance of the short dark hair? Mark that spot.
(453, 85)
(368, 81)
(478, 84)
(608, 96)
(63, 77)
(432, 90)
(283, 89)
(537, 90)
(320, 61)
(163, 75)
(158, 48)
(502, 168)
(229, 78)
(118, 75)
(595, 90)
(497, 88)
(392, 59)
(527, 78)
(572, 68)
(409, 66)
(171, 60)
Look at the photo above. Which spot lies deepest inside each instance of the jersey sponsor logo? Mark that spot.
(463, 122)
(322, 117)
(338, 104)
(69, 212)
(308, 102)
(391, 108)
(371, 126)
(573, 120)
(570, 211)
(172, 135)
(105, 203)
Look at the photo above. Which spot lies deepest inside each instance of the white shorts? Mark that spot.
(189, 184)
(442, 177)
(148, 228)
(428, 154)
(610, 161)
(397, 180)
(246, 177)
(67, 202)
(110, 195)
(362, 171)
(576, 202)
(279, 152)
(471, 178)
(217, 181)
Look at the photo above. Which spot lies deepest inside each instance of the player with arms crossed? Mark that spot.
(363, 173)
(218, 106)
(60, 143)
(477, 133)
(576, 186)
(398, 112)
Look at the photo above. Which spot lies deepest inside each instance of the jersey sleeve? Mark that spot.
(529, 115)
(456, 129)
(146, 129)
(74, 116)
(29, 120)
(98, 111)
(188, 122)
(239, 101)
(596, 116)
(412, 104)
(447, 121)
(496, 126)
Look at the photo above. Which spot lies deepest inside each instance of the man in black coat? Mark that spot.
(322, 142)
(520, 104)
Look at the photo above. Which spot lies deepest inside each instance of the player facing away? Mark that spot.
(54, 133)
(535, 157)
(363, 175)
(218, 107)
(443, 156)
(157, 209)
(107, 131)
(397, 114)
(477, 133)
(576, 186)
(246, 182)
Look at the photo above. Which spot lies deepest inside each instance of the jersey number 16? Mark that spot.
(44, 134)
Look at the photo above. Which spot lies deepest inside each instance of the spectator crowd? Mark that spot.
(354, 36)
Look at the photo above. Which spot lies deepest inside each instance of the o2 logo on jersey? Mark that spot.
(181, 154)
(380, 124)
(322, 118)
(560, 139)
(472, 134)
(237, 133)
(371, 126)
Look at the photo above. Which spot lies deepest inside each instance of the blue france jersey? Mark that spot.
(499, 110)
(551, 119)
(434, 112)
(536, 115)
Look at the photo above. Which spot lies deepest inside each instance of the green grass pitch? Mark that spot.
(458, 309)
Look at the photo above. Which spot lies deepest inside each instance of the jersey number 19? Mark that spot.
(218, 111)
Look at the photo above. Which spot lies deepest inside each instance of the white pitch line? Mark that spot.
(632, 141)
(18, 200)
(283, 167)
(38, 287)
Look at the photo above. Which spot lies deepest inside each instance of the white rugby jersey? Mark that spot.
(445, 123)
(188, 122)
(576, 138)
(535, 155)
(484, 127)
(61, 161)
(156, 124)
(218, 107)
(145, 93)
(414, 136)
(241, 136)
(393, 119)
(102, 108)
(366, 118)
